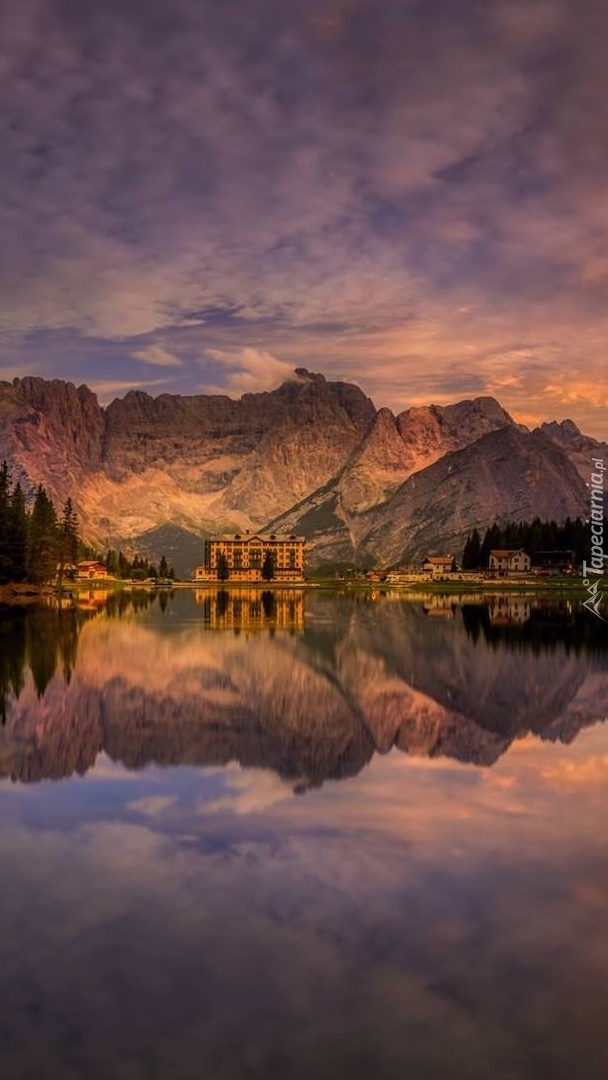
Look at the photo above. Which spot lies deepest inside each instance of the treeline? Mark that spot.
(37, 544)
(138, 568)
(530, 536)
(40, 545)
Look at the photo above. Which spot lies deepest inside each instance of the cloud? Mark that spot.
(106, 389)
(248, 371)
(157, 356)
(324, 178)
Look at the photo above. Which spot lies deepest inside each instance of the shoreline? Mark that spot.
(19, 594)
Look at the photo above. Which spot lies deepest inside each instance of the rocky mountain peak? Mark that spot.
(562, 431)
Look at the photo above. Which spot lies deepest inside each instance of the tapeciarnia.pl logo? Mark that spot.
(596, 564)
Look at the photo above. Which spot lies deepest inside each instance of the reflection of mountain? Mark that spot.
(363, 677)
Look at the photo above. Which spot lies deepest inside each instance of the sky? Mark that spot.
(199, 196)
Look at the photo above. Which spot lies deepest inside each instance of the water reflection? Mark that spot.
(251, 609)
(425, 919)
(322, 685)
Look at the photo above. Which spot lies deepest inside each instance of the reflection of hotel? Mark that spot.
(245, 557)
(252, 609)
(509, 611)
(441, 606)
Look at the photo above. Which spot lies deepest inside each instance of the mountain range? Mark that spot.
(314, 457)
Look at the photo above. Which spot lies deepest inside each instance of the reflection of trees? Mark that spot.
(45, 638)
(550, 626)
(12, 657)
(124, 601)
(38, 638)
(42, 647)
(268, 603)
(222, 602)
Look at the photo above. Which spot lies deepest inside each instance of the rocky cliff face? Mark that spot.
(51, 433)
(198, 462)
(506, 474)
(312, 456)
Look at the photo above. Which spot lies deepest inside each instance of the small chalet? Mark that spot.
(508, 561)
(438, 565)
(91, 570)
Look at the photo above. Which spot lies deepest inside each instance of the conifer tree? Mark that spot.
(472, 551)
(268, 566)
(67, 541)
(16, 534)
(42, 543)
(5, 488)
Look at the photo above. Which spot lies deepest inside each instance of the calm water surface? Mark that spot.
(276, 835)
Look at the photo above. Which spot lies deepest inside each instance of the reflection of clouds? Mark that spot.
(152, 805)
(566, 773)
(248, 791)
(395, 921)
(105, 770)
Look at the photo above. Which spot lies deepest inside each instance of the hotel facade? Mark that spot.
(244, 557)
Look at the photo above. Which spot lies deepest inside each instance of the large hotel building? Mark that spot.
(243, 557)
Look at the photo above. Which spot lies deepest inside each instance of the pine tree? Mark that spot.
(223, 571)
(111, 561)
(16, 535)
(42, 541)
(67, 541)
(491, 541)
(268, 566)
(472, 551)
(5, 492)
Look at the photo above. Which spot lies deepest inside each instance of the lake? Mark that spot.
(278, 833)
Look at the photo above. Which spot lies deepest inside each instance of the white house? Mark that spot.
(509, 561)
(438, 565)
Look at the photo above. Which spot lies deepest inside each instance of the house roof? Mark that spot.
(265, 537)
(505, 553)
(440, 559)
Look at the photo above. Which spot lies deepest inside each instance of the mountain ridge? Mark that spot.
(312, 456)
